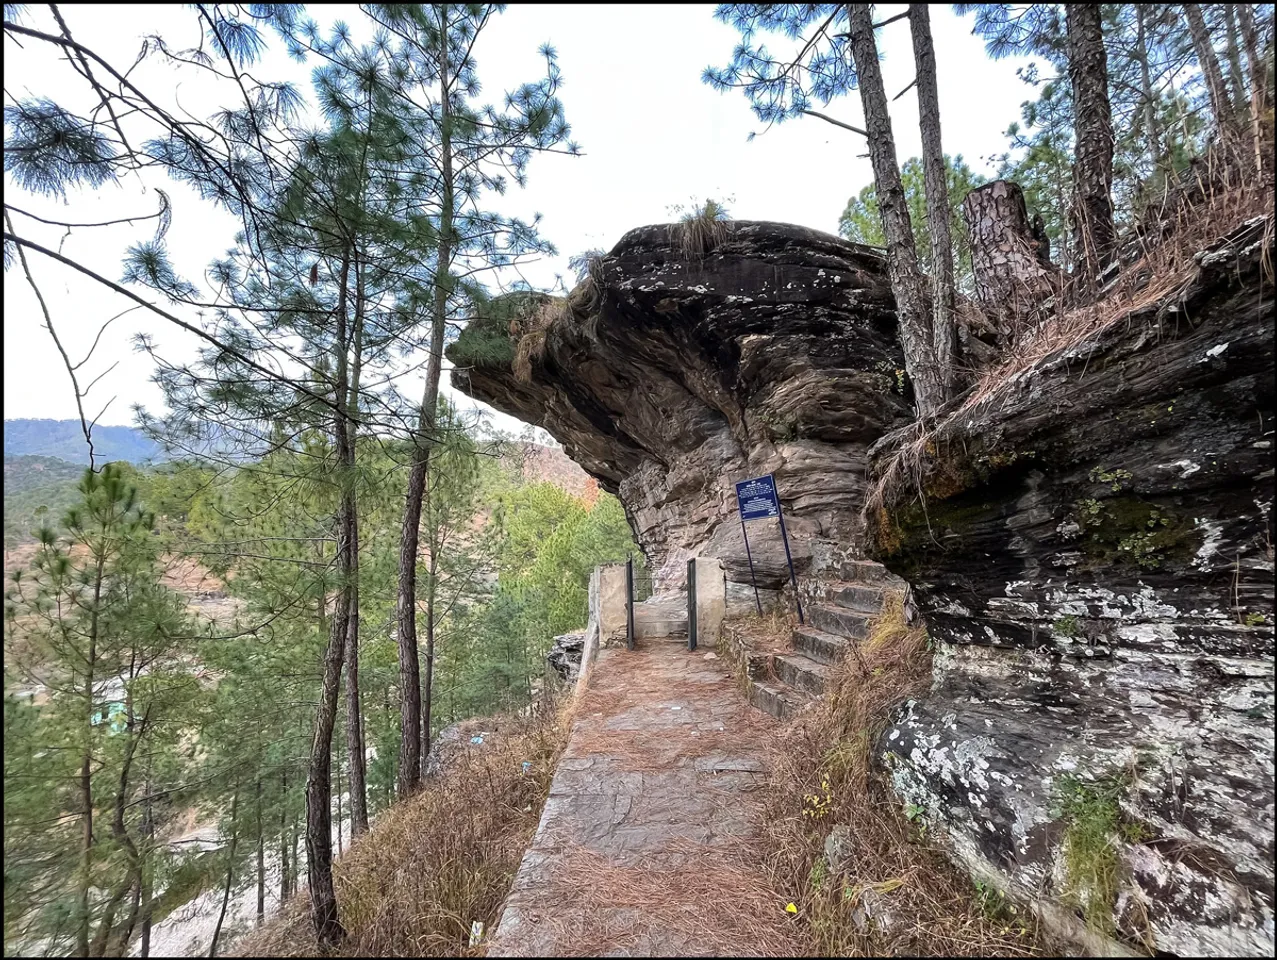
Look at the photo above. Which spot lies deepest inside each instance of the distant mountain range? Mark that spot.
(65, 440)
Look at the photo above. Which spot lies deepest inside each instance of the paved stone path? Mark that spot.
(647, 845)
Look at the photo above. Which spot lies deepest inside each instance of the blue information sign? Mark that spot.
(757, 498)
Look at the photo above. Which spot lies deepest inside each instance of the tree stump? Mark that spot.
(1014, 276)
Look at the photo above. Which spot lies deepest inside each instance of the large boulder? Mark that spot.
(669, 374)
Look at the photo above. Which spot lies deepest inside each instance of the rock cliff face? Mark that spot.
(678, 374)
(1092, 543)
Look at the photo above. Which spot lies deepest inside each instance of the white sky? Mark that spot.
(652, 133)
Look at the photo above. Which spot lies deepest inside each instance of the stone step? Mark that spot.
(777, 699)
(758, 666)
(802, 673)
(864, 571)
(857, 596)
(838, 620)
(843, 593)
(820, 646)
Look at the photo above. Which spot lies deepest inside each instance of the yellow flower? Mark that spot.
(790, 908)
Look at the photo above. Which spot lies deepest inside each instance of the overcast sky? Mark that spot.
(653, 135)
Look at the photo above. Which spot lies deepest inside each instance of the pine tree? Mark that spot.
(432, 68)
(837, 53)
(123, 131)
(1221, 102)
(90, 623)
(936, 188)
(1094, 236)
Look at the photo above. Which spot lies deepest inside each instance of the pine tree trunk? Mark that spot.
(294, 865)
(1234, 49)
(319, 837)
(1254, 59)
(285, 867)
(411, 759)
(86, 851)
(120, 947)
(1220, 105)
(406, 620)
(261, 860)
(337, 791)
(101, 938)
(1259, 95)
(936, 189)
(357, 763)
(902, 257)
(427, 693)
(1093, 233)
(147, 832)
(1148, 100)
(86, 771)
(230, 874)
(110, 938)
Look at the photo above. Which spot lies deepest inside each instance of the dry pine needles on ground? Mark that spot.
(711, 901)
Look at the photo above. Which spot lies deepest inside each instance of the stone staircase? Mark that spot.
(782, 681)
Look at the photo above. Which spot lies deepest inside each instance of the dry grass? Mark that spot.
(824, 775)
(556, 316)
(534, 331)
(701, 230)
(1159, 265)
(432, 865)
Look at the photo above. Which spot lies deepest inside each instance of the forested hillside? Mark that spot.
(512, 557)
(64, 439)
(30, 484)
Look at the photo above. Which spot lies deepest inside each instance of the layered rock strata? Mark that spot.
(1092, 545)
(670, 374)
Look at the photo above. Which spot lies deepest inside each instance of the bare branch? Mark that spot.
(837, 123)
(85, 425)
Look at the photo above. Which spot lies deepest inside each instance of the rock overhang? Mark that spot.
(668, 375)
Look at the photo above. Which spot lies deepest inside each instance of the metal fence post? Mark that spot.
(691, 604)
(629, 602)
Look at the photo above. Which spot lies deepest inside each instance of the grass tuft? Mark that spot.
(1091, 860)
(702, 229)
